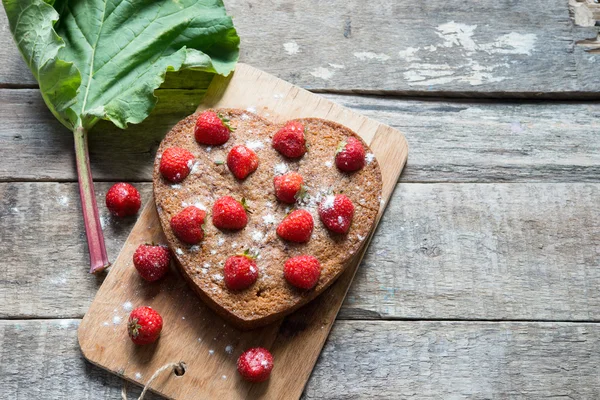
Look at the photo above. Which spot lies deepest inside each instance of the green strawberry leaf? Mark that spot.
(226, 122)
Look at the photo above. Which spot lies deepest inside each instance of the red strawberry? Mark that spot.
(176, 164)
(288, 187)
(296, 227)
(144, 325)
(123, 200)
(289, 140)
(350, 155)
(151, 262)
(302, 271)
(187, 225)
(242, 161)
(240, 272)
(255, 365)
(228, 213)
(212, 128)
(336, 212)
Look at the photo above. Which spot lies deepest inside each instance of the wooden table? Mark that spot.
(483, 279)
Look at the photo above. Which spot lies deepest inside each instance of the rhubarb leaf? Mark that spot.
(103, 59)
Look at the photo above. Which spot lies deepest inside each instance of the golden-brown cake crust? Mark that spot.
(271, 297)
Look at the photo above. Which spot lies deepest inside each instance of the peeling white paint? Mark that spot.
(512, 43)
(367, 55)
(409, 54)
(322, 73)
(472, 73)
(457, 34)
(291, 48)
(461, 37)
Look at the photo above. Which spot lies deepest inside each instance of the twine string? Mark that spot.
(178, 366)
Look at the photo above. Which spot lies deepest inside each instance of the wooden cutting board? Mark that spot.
(192, 333)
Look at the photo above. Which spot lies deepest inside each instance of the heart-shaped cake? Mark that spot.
(262, 217)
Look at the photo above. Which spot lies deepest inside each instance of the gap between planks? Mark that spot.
(375, 320)
(450, 96)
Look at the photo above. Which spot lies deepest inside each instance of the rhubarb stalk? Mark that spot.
(93, 228)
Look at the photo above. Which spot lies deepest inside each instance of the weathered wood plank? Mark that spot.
(452, 47)
(468, 251)
(483, 251)
(412, 360)
(449, 141)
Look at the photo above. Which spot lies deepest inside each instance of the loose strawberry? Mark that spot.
(212, 128)
(240, 272)
(228, 213)
(242, 161)
(289, 140)
(255, 365)
(336, 212)
(296, 227)
(144, 325)
(288, 187)
(302, 271)
(187, 225)
(123, 200)
(176, 164)
(350, 155)
(152, 262)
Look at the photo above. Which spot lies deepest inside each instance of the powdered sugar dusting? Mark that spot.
(280, 168)
(369, 158)
(329, 202)
(328, 164)
(229, 349)
(255, 144)
(196, 167)
(190, 163)
(200, 205)
(205, 268)
(257, 236)
(220, 241)
(245, 117)
(138, 375)
(194, 248)
(127, 306)
(176, 186)
(251, 109)
(116, 320)
(340, 219)
(211, 352)
(179, 251)
(217, 277)
(269, 219)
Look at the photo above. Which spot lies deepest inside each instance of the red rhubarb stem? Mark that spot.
(93, 229)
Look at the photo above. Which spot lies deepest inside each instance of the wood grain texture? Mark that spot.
(361, 360)
(468, 251)
(453, 47)
(452, 141)
(189, 324)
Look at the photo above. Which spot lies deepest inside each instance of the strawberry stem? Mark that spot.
(93, 229)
